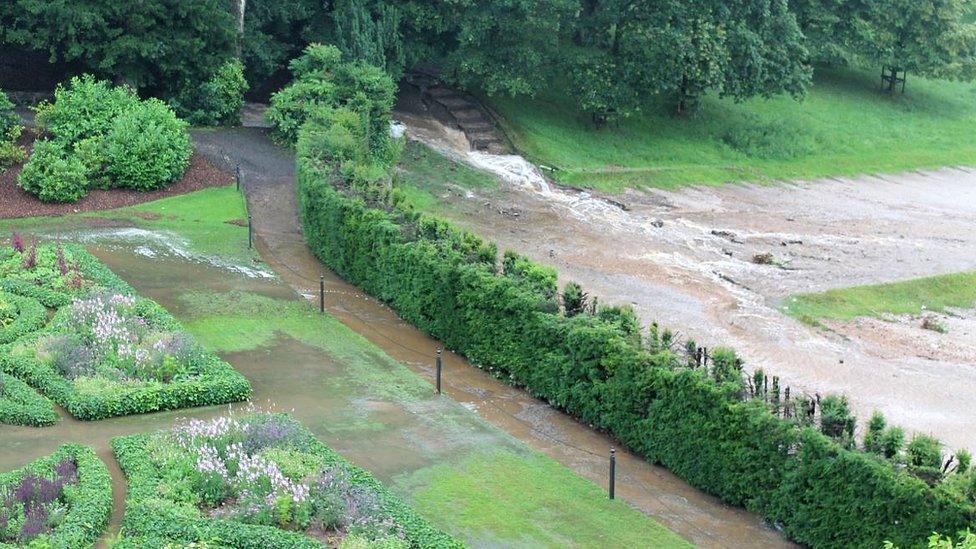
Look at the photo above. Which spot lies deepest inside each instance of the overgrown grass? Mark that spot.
(537, 491)
(906, 297)
(213, 221)
(845, 126)
(426, 177)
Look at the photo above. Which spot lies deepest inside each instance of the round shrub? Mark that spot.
(84, 108)
(54, 175)
(217, 102)
(147, 147)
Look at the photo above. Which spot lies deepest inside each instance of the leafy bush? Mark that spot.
(8, 116)
(218, 101)
(147, 147)
(19, 316)
(69, 494)
(85, 108)
(135, 359)
(10, 130)
(53, 174)
(281, 482)
(22, 405)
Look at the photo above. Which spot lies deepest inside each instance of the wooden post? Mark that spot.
(613, 471)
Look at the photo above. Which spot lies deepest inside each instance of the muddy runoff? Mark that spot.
(690, 260)
(270, 186)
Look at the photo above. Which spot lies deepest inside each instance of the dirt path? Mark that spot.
(684, 259)
(269, 173)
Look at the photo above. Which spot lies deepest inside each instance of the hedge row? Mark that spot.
(447, 283)
(89, 501)
(22, 405)
(152, 520)
(28, 316)
(217, 382)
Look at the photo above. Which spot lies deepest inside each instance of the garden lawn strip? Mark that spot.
(74, 479)
(278, 446)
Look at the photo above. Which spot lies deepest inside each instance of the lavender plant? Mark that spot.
(35, 505)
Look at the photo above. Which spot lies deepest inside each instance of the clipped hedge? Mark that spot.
(28, 316)
(216, 383)
(152, 520)
(89, 501)
(22, 405)
(445, 282)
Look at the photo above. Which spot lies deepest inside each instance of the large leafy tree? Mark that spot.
(155, 44)
(275, 31)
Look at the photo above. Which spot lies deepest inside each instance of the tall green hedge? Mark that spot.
(446, 282)
(89, 501)
(153, 520)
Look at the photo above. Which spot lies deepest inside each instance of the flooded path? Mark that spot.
(269, 180)
(686, 260)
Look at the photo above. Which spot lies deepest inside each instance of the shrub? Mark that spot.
(8, 116)
(54, 175)
(85, 108)
(147, 147)
(22, 405)
(19, 316)
(70, 496)
(218, 101)
(10, 130)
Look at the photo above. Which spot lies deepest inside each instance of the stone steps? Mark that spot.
(466, 112)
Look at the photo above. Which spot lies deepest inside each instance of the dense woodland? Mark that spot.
(611, 55)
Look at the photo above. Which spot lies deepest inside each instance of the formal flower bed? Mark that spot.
(106, 352)
(19, 316)
(261, 480)
(62, 500)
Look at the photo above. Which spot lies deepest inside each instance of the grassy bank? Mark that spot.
(845, 126)
(934, 293)
(430, 180)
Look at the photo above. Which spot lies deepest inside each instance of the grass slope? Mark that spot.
(844, 126)
(906, 297)
(427, 177)
(548, 494)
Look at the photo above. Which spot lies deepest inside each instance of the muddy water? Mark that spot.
(684, 259)
(269, 181)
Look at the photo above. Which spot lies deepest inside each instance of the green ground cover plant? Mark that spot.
(106, 352)
(723, 433)
(259, 480)
(844, 126)
(20, 404)
(99, 136)
(423, 175)
(62, 500)
(916, 296)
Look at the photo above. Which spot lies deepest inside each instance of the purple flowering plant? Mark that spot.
(47, 265)
(34, 505)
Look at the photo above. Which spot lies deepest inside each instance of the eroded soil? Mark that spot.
(685, 260)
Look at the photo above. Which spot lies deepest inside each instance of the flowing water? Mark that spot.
(685, 260)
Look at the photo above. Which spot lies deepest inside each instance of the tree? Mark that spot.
(153, 44)
(276, 31)
(369, 34)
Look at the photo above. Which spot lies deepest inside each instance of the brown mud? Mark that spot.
(686, 260)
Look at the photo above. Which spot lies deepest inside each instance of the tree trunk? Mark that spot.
(241, 7)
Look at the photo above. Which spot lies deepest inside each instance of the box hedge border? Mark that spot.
(90, 500)
(30, 316)
(151, 520)
(218, 383)
(20, 404)
(445, 282)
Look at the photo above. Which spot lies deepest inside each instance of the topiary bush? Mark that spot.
(54, 175)
(146, 147)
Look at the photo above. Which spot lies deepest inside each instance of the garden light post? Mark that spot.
(613, 470)
(250, 232)
(437, 363)
(322, 294)
(238, 176)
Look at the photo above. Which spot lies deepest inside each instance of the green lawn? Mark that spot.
(425, 177)
(575, 512)
(844, 126)
(905, 297)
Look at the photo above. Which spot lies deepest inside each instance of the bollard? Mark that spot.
(438, 367)
(613, 470)
(322, 294)
(238, 176)
(250, 233)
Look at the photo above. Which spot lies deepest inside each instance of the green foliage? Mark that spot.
(19, 316)
(54, 175)
(8, 116)
(147, 147)
(92, 398)
(22, 405)
(89, 502)
(836, 420)
(924, 457)
(574, 299)
(85, 108)
(218, 102)
(276, 31)
(161, 507)
(155, 44)
(369, 34)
